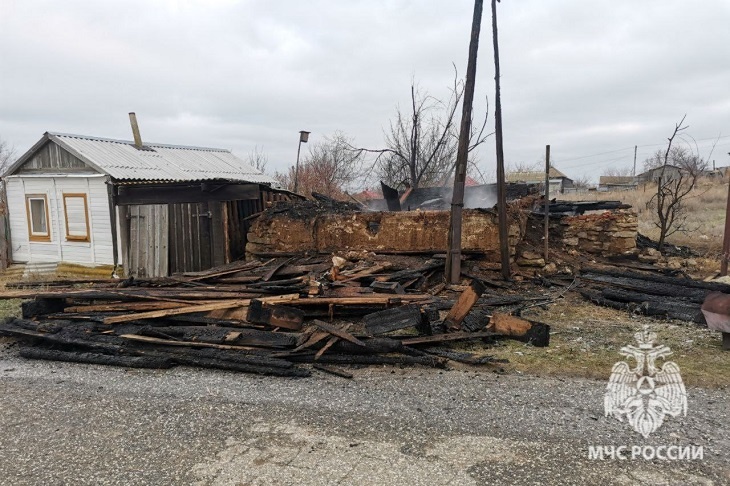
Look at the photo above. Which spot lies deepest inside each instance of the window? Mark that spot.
(36, 206)
(76, 213)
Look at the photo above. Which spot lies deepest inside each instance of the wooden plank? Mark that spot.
(171, 342)
(463, 305)
(338, 332)
(366, 300)
(452, 336)
(367, 272)
(175, 312)
(387, 287)
(125, 306)
(274, 315)
(276, 268)
(536, 333)
(183, 310)
(330, 342)
(163, 253)
(313, 339)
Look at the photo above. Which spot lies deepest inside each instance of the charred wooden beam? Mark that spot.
(452, 336)
(649, 287)
(435, 361)
(662, 279)
(394, 319)
(275, 315)
(95, 358)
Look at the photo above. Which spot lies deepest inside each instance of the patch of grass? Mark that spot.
(9, 308)
(585, 341)
(705, 204)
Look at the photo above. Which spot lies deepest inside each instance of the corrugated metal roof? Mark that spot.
(123, 161)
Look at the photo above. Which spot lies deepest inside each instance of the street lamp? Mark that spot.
(303, 137)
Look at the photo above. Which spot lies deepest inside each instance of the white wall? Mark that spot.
(97, 251)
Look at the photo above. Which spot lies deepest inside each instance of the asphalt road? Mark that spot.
(80, 424)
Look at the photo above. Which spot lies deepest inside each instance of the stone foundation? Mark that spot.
(606, 234)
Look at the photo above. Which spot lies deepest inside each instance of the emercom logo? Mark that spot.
(645, 394)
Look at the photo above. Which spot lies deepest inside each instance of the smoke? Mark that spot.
(484, 196)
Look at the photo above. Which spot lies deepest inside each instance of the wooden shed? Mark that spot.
(151, 209)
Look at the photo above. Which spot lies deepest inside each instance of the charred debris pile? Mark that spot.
(288, 315)
(280, 317)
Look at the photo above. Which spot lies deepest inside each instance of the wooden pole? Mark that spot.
(633, 172)
(546, 207)
(296, 170)
(726, 238)
(453, 262)
(501, 186)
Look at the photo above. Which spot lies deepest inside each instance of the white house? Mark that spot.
(152, 208)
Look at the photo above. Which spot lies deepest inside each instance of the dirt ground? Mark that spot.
(585, 340)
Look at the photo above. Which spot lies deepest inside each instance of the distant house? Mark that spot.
(617, 183)
(559, 182)
(668, 172)
(152, 209)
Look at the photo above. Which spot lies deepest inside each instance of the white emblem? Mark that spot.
(645, 394)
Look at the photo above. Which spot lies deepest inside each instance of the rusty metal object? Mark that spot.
(716, 309)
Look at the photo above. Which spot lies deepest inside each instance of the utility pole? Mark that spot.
(547, 198)
(726, 236)
(501, 187)
(303, 137)
(453, 260)
(633, 172)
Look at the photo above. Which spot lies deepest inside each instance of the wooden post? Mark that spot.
(726, 238)
(501, 186)
(453, 262)
(633, 172)
(546, 206)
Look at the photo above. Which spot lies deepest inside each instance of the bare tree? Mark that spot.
(7, 155)
(668, 201)
(583, 183)
(527, 167)
(258, 159)
(678, 156)
(618, 172)
(330, 168)
(421, 142)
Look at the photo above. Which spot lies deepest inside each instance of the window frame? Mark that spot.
(69, 237)
(37, 236)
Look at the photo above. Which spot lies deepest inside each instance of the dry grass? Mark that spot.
(585, 340)
(705, 204)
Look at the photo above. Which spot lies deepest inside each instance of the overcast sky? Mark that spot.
(591, 78)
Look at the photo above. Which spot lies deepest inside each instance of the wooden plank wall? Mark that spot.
(197, 236)
(52, 156)
(148, 240)
(237, 213)
(4, 241)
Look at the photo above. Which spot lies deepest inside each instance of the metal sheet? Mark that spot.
(123, 161)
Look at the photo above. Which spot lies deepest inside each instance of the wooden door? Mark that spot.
(147, 242)
(196, 236)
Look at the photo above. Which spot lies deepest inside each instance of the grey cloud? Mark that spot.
(586, 77)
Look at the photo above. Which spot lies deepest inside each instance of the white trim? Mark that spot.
(48, 175)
